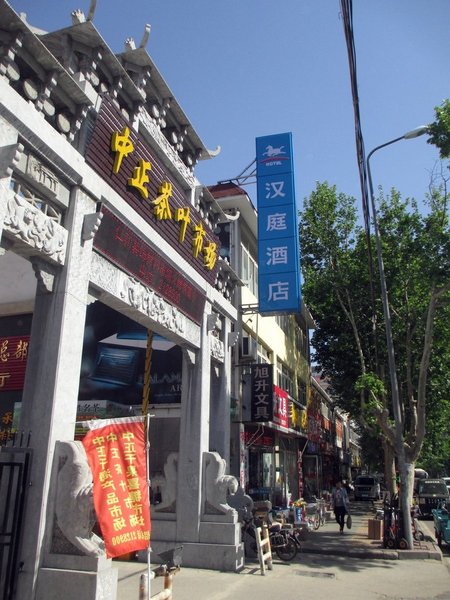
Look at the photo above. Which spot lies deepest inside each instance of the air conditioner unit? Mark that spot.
(249, 348)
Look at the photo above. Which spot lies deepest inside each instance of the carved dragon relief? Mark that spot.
(33, 227)
(113, 280)
(217, 348)
(147, 301)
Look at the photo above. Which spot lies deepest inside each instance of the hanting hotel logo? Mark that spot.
(274, 156)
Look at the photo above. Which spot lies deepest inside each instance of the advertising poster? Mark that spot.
(116, 451)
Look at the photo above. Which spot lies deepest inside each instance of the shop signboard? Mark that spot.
(88, 410)
(253, 438)
(262, 392)
(13, 362)
(6, 418)
(281, 407)
(278, 248)
(123, 158)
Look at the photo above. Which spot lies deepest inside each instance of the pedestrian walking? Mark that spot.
(340, 504)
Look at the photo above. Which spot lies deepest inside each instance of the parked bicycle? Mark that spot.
(282, 541)
(315, 513)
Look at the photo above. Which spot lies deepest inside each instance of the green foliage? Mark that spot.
(440, 129)
(337, 290)
(372, 383)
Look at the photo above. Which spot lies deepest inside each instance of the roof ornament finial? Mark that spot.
(130, 44)
(213, 153)
(145, 36)
(91, 10)
(78, 15)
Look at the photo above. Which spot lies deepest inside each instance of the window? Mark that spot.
(249, 273)
(301, 387)
(284, 378)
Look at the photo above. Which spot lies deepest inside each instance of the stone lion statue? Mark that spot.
(74, 505)
(218, 486)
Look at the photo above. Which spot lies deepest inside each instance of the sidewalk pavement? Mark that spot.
(327, 540)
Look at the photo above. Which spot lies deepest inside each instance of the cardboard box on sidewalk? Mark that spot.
(375, 529)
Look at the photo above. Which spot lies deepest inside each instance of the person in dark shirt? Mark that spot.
(340, 504)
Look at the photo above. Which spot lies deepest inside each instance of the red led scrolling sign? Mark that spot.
(127, 250)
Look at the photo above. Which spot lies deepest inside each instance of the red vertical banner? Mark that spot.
(116, 451)
(281, 407)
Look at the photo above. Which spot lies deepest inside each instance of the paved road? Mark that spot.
(427, 527)
(351, 572)
(311, 577)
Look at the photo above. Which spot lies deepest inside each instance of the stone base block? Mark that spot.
(164, 530)
(54, 584)
(218, 557)
(219, 533)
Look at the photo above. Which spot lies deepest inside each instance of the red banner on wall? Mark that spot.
(116, 451)
(13, 361)
(281, 407)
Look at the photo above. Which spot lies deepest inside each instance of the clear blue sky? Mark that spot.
(247, 68)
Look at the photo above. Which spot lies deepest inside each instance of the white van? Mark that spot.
(419, 475)
(366, 487)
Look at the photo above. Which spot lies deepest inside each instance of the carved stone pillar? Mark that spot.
(194, 437)
(206, 526)
(49, 403)
(221, 398)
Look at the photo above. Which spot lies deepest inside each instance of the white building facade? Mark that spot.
(267, 457)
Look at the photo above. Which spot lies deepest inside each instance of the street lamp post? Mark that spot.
(387, 319)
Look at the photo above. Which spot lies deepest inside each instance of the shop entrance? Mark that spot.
(261, 473)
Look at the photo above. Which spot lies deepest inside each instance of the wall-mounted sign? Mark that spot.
(127, 250)
(281, 407)
(139, 175)
(262, 392)
(13, 362)
(278, 248)
(251, 437)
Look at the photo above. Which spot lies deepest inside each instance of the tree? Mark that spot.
(440, 129)
(416, 253)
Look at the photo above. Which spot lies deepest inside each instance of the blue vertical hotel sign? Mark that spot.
(278, 248)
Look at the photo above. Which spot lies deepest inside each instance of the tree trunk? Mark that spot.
(389, 467)
(406, 486)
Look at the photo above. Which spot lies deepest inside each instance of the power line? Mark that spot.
(347, 17)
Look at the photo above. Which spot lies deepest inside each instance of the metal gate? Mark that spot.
(14, 482)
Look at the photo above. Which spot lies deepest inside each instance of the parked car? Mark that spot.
(430, 494)
(447, 483)
(366, 487)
